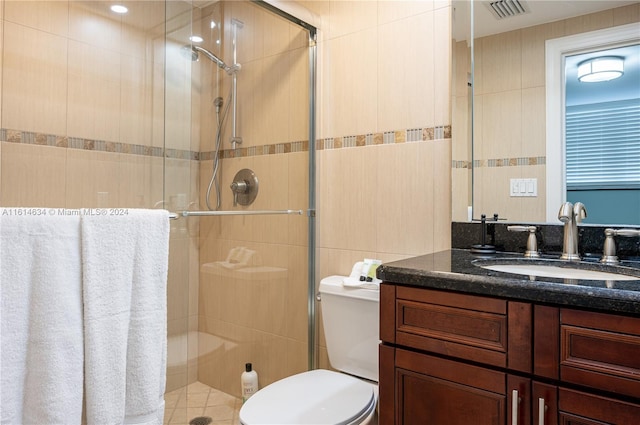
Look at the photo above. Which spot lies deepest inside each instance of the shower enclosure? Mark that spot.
(250, 96)
(104, 109)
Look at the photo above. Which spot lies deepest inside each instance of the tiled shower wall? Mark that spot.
(510, 140)
(83, 120)
(383, 168)
(255, 310)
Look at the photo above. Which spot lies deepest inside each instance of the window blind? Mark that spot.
(603, 145)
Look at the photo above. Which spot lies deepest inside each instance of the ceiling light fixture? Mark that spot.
(118, 8)
(599, 69)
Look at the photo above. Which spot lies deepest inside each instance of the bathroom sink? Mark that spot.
(559, 269)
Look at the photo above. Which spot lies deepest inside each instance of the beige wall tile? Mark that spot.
(48, 16)
(533, 51)
(442, 195)
(626, 14)
(461, 124)
(349, 100)
(462, 68)
(34, 89)
(460, 193)
(180, 181)
(176, 90)
(533, 209)
(177, 280)
(299, 95)
(393, 10)
(134, 181)
(406, 76)
(591, 22)
(251, 43)
(271, 97)
(500, 68)
(156, 177)
(348, 17)
(501, 125)
(93, 109)
(92, 179)
(442, 65)
(404, 220)
(140, 27)
(33, 176)
(136, 113)
(298, 197)
(90, 22)
(533, 122)
(347, 217)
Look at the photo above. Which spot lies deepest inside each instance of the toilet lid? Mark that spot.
(314, 397)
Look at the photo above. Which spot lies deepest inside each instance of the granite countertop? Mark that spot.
(454, 270)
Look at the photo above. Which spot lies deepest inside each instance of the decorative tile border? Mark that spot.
(509, 162)
(32, 138)
(389, 137)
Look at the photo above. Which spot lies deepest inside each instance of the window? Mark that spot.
(603, 145)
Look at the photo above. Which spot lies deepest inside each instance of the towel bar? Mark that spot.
(174, 216)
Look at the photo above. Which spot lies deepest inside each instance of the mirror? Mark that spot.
(506, 160)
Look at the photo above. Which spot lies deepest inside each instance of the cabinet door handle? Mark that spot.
(541, 409)
(515, 399)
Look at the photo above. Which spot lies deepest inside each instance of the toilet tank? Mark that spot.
(351, 320)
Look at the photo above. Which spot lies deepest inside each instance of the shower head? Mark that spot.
(193, 53)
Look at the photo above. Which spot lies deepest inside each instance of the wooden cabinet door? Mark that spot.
(544, 404)
(436, 391)
(600, 351)
(578, 408)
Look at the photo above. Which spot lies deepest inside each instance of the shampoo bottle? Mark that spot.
(249, 381)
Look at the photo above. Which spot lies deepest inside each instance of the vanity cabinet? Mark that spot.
(449, 358)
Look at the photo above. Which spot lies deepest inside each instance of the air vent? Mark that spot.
(507, 8)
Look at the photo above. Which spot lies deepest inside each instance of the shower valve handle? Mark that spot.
(239, 187)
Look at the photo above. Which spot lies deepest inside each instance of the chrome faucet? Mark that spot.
(571, 214)
(609, 249)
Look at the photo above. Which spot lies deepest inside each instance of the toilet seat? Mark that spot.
(314, 397)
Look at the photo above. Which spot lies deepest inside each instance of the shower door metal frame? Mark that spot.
(311, 212)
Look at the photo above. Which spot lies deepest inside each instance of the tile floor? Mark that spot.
(198, 399)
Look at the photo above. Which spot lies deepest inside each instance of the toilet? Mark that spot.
(351, 325)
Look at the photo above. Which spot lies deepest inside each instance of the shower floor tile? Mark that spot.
(197, 400)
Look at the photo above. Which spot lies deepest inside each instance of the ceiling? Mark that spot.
(536, 12)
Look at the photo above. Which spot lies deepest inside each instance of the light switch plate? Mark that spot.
(523, 187)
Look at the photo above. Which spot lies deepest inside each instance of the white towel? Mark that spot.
(125, 262)
(41, 316)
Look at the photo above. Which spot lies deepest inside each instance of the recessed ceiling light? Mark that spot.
(118, 8)
(196, 39)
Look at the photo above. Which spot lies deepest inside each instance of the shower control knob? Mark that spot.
(239, 187)
(244, 187)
